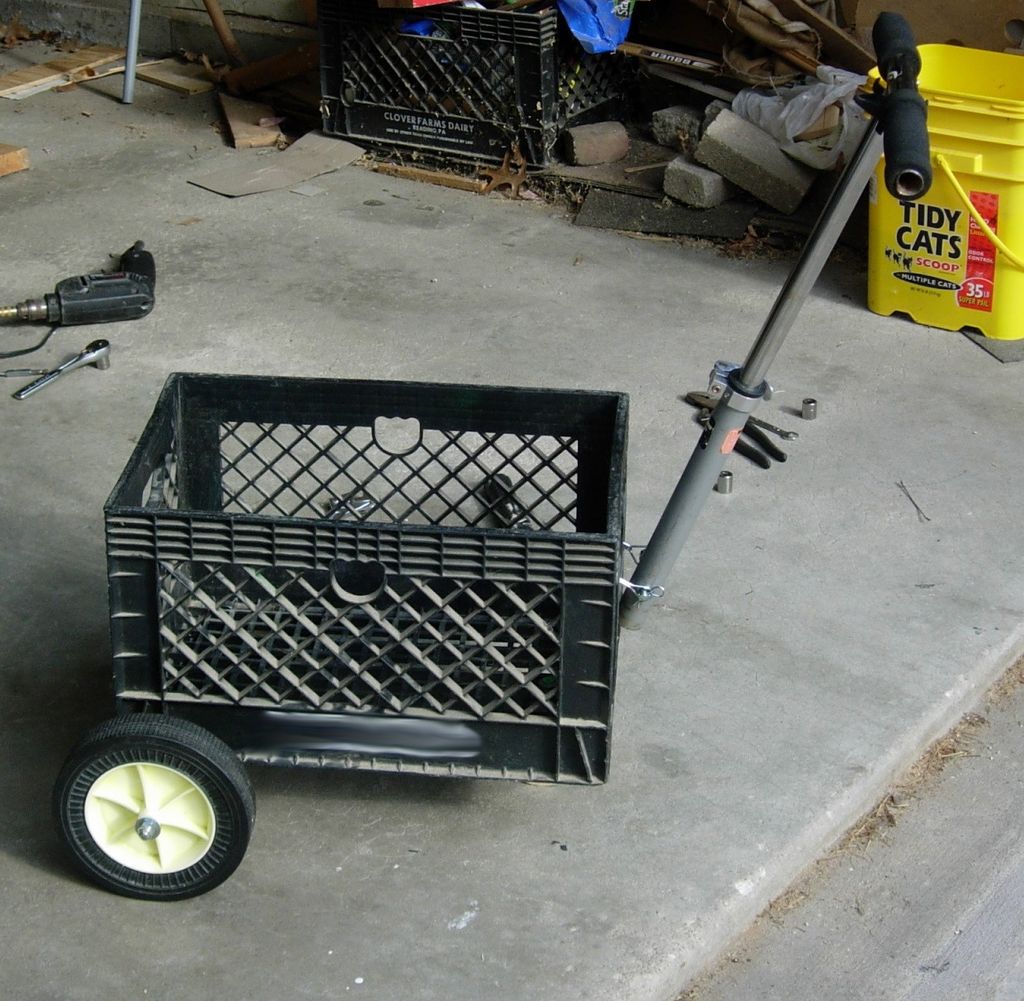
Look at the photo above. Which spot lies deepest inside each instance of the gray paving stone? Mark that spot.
(751, 159)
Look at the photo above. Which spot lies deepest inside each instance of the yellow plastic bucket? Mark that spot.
(955, 259)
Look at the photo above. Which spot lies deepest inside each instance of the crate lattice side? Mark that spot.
(309, 471)
(269, 636)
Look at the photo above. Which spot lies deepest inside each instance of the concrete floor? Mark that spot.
(927, 909)
(816, 635)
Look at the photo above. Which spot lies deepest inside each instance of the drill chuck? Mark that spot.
(30, 309)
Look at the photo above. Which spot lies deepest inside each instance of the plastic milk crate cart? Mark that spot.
(374, 575)
(392, 576)
(295, 551)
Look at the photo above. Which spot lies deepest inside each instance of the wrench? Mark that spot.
(96, 353)
(781, 432)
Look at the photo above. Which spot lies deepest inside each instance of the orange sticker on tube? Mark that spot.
(729, 442)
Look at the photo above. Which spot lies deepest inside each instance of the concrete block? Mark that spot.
(751, 159)
(692, 184)
(677, 127)
(602, 142)
(712, 111)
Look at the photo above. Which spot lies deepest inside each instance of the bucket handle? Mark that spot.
(976, 215)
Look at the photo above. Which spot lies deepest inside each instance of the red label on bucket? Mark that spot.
(978, 288)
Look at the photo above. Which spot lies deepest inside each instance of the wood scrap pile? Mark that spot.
(248, 124)
(64, 71)
(687, 143)
(717, 170)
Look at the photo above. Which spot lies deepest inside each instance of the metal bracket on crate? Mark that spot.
(642, 592)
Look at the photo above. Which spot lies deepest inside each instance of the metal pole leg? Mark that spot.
(131, 51)
(741, 388)
(687, 501)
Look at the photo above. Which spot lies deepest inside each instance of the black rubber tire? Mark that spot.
(204, 759)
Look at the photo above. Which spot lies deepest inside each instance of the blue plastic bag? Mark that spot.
(599, 25)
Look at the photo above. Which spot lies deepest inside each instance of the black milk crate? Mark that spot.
(381, 575)
(485, 80)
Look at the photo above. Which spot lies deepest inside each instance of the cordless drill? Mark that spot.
(125, 294)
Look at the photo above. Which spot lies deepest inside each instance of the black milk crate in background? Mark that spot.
(484, 80)
(381, 575)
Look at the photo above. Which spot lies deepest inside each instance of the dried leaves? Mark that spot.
(14, 32)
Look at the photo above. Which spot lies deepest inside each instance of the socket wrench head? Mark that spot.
(97, 353)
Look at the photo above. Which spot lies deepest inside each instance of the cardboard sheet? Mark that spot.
(251, 173)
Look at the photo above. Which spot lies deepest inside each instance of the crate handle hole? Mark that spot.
(397, 435)
(358, 581)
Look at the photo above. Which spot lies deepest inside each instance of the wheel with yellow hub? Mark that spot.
(154, 807)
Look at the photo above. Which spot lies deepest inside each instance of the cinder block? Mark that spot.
(751, 159)
(602, 142)
(692, 184)
(712, 111)
(677, 127)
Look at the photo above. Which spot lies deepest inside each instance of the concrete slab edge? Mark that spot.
(721, 929)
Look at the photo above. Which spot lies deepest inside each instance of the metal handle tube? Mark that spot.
(40, 383)
(701, 472)
(131, 51)
(815, 254)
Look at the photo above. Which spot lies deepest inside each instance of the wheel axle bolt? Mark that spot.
(147, 828)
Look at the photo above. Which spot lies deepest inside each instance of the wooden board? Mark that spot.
(185, 78)
(441, 177)
(71, 68)
(837, 47)
(274, 69)
(243, 118)
(12, 159)
(681, 60)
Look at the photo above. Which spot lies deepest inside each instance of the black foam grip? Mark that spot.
(908, 166)
(139, 262)
(895, 47)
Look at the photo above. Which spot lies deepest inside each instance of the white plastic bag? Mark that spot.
(787, 111)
